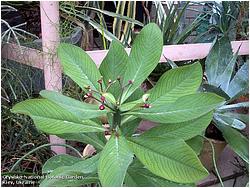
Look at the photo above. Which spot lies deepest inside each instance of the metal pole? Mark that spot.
(50, 39)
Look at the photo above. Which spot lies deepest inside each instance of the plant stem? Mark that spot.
(151, 83)
(101, 89)
(103, 38)
(116, 119)
(109, 85)
(95, 91)
(120, 96)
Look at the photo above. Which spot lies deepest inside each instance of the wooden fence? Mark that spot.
(181, 52)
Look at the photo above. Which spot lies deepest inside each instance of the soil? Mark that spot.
(214, 133)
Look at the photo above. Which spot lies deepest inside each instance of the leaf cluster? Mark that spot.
(228, 79)
(162, 155)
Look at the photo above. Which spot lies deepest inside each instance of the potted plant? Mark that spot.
(158, 157)
(230, 80)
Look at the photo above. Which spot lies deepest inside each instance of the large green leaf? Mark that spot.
(176, 83)
(236, 140)
(94, 139)
(217, 60)
(139, 176)
(53, 119)
(114, 65)
(78, 66)
(114, 161)
(240, 82)
(170, 158)
(144, 57)
(81, 173)
(185, 130)
(183, 109)
(58, 161)
(80, 109)
(196, 143)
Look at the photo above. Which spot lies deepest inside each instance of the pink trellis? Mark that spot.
(52, 72)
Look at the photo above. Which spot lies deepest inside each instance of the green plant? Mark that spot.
(170, 22)
(223, 20)
(158, 157)
(77, 14)
(225, 17)
(18, 133)
(229, 80)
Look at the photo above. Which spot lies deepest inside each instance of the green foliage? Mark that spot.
(95, 139)
(139, 176)
(170, 22)
(185, 130)
(183, 109)
(123, 25)
(196, 143)
(52, 119)
(217, 61)
(239, 83)
(159, 156)
(83, 172)
(57, 161)
(225, 79)
(170, 17)
(144, 57)
(225, 18)
(164, 159)
(114, 66)
(114, 161)
(236, 141)
(129, 127)
(81, 110)
(18, 133)
(78, 66)
(181, 83)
